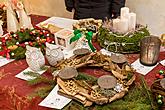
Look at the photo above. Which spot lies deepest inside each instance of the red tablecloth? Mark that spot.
(14, 91)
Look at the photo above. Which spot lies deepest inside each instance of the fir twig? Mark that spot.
(73, 105)
(32, 74)
(148, 92)
(41, 92)
(38, 79)
(88, 78)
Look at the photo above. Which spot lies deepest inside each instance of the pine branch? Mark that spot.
(74, 105)
(41, 92)
(88, 78)
(148, 92)
(33, 74)
(138, 98)
(19, 53)
(125, 106)
(38, 79)
(44, 68)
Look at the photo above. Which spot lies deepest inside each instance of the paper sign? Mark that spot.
(27, 77)
(4, 61)
(162, 62)
(142, 69)
(54, 100)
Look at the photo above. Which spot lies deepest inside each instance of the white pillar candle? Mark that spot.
(116, 24)
(132, 21)
(124, 12)
(123, 25)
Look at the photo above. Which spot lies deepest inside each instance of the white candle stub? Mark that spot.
(132, 21)
(123, 25)
(116, 24)
(124, 12)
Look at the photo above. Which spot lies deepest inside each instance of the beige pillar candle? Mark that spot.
(116, 24)
(123, 25)
(132, 21)
(124, 12)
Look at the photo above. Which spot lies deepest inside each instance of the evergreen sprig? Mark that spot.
(88, 78)
(136, 99)
(41, 92)
(38, 79)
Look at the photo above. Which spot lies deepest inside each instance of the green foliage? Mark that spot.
(116, 42)
(138, 98)
(41, 92)
(88, 78)
(38, 79)
(73, 105)
(19, 53)
(134, 100)
(35, 37)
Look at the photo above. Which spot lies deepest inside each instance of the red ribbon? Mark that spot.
(5, 52)
(48, 39)
(3, 40)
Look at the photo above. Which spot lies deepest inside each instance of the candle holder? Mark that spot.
(149, 50)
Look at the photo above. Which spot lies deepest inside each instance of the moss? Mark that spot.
(125, 43)
(138, 97)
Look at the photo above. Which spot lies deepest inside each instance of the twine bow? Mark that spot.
(78, 35)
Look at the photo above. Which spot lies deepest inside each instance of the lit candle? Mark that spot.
(123, 26)
(124, 12)
(116, 24)
(132, 21)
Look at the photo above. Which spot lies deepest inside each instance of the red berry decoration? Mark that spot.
(157, 75)
(31, 33)
(161, 77)
(41, 33)
(31, 43)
